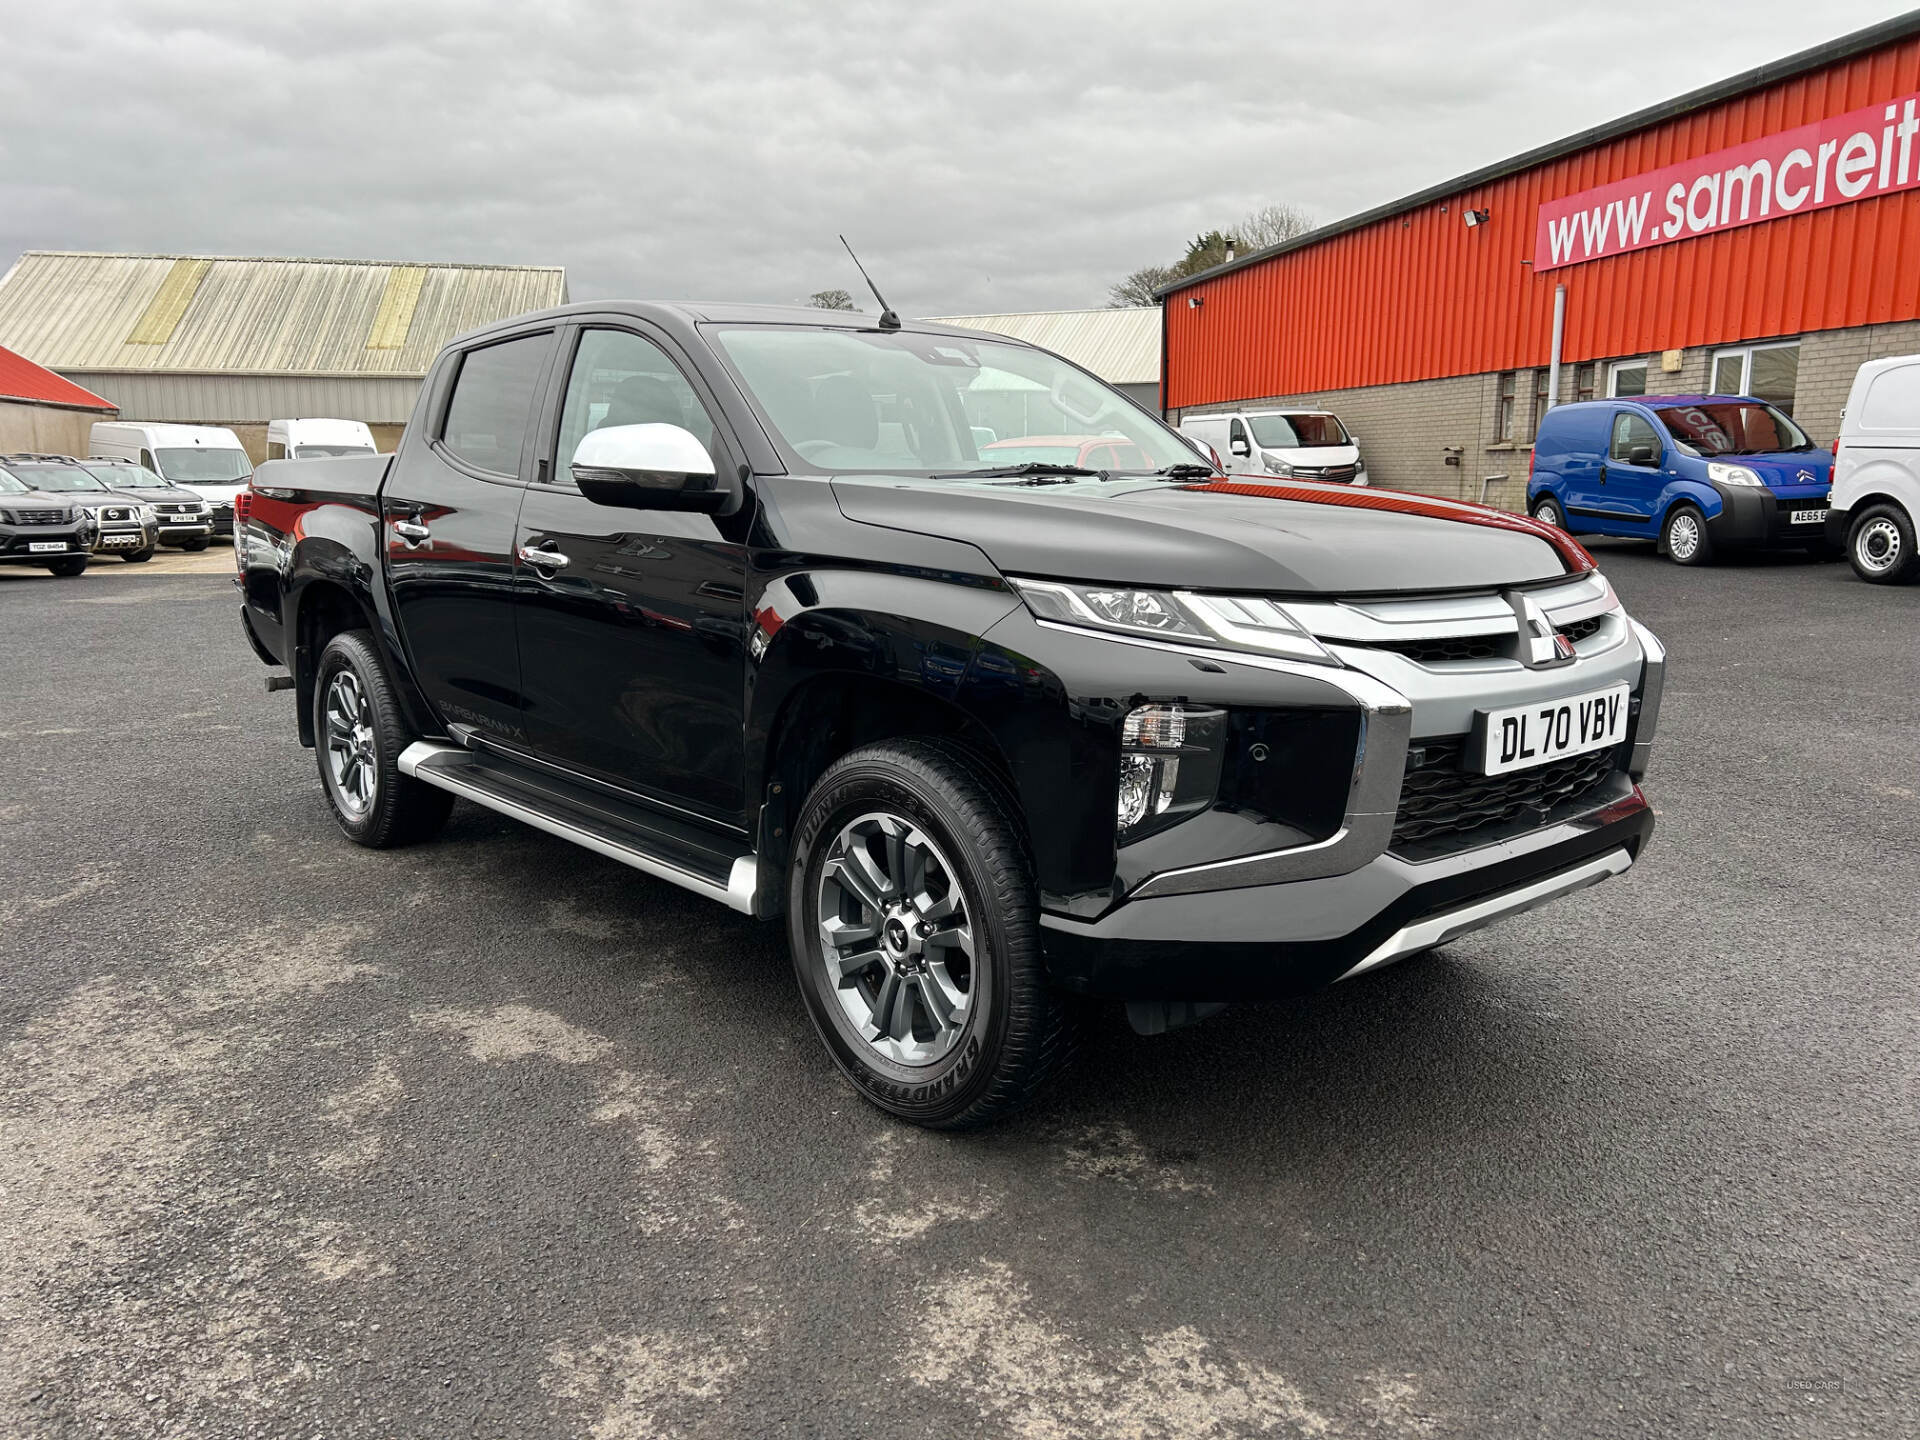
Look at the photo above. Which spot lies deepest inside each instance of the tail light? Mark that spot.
(243, 505)
(1532, 455)
(1836, 447)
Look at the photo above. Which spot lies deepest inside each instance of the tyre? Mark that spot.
(1684, 537)
(194, 545)
(915, 935)
(1880, 546)
(1547, 510)
(358, 735)
(137, 557)
(73, 565)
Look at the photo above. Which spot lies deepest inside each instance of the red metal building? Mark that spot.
(1763, 231)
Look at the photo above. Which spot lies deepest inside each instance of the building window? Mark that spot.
(1583, 378)
(1503, 410)
(1766, 372)
(1542, 398)
(1626, 377)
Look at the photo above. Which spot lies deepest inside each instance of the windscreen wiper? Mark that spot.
(1185, 471)
(1030, 467)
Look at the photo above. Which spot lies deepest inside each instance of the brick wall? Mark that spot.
(1406, 432)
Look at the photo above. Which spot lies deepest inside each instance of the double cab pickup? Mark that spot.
(752, 600)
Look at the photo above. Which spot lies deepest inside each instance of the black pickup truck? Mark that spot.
(759, 601)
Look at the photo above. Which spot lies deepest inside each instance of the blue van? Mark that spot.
(1698, 473)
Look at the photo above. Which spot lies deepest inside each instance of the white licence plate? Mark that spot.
(1529, 735)
(45, 547)
(1806, 517)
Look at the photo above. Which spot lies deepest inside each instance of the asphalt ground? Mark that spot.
(494, 1137)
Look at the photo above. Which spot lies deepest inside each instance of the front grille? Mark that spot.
(115, 512)
(1438, 798)
(1578, 630)
(1326, 472)
(1450, 647)
(182, 509)
(43, 517)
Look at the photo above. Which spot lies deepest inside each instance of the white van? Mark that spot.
(311, 439)
(1876, 472)
(206, 459)
(1296, 444)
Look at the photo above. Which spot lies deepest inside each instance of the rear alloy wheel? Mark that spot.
(1880, 547)
(1684, 537)
(358, 735)
(915, 935)
(1548, 512)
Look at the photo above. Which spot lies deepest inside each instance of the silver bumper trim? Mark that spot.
(1439, 929)
(1652, 683)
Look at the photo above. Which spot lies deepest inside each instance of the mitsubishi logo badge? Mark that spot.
(1541, 646)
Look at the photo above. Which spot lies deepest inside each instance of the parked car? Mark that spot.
(124, 525)
(317, 439)
(209, 460)
(46, 530)
(1086, 452)
(1876, 474)
(1293, 444)
(1698, 473)
(748, 614)
(184, 519)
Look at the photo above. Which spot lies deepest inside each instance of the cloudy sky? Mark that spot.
(981, 156)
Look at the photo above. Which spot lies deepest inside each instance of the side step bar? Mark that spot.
(1452, 924)
(594, 826)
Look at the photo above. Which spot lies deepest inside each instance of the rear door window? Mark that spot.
(492, 403)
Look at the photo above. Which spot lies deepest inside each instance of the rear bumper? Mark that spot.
(1220, 945)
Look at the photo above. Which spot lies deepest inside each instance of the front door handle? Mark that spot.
(1603, 474)
(543, 558)
(412, 531)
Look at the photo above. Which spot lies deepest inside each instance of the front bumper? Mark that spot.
(14, 551)
(1751, 518)
(114, 538)
(1219, 946)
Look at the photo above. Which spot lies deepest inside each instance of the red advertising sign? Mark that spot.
(1830, 162)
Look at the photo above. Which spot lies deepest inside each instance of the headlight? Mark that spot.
(1733, 475)
(148, 514)
(1170, 759)
(92, 512)
(1278, 467)
(1225, 622)
(6, 518)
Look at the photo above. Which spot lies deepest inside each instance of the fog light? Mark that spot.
(1169, 766)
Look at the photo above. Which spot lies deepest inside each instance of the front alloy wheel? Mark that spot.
(896, 942)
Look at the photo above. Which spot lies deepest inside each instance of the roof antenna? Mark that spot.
(888, 320)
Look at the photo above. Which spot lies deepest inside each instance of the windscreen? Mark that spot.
(1732, 427)
(1297, 432)
(321, 452)
(913, 404)
(56, 477)
(127, 477)
(187, 466)
(10, 486)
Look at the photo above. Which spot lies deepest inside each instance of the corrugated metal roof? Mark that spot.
(21, 379)
(1121, 346)
(210, 314)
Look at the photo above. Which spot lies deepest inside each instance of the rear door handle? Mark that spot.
(544, 559)
(412, 531)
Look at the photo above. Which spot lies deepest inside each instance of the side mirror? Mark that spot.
(1353, 440)
(647, 467)
(1241, 448)
(1640, 455)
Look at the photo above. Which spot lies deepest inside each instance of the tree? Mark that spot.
(1269, 225)
(1138, 288)
(1273, 225)
(830, 300)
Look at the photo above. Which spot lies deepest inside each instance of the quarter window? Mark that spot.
(1766, 372)
(492, 402)
(620, 378)
(1635, 441)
